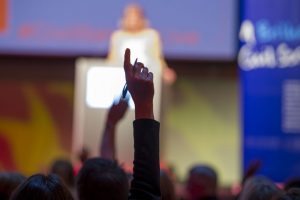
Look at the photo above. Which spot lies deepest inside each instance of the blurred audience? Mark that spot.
(202, 183)
(292, 183)
(64, 169)
(9, 181)
(167, 187)
(259, 188)
(253, 167)
(38, 187)
(102, 179)
(82, 156)
(291, 194)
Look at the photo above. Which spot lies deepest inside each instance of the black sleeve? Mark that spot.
(145, 184)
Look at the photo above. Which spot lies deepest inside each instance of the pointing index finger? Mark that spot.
(127, 64)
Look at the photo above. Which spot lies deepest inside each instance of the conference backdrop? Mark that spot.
(189, 29)
(35, 124)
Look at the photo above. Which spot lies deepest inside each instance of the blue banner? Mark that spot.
(269, 60)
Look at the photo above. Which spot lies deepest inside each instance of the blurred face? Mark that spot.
(133, 18)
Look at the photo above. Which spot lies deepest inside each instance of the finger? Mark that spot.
(140, 64)
(145, 72)
(138, 68)
(150, 76)
(127, 64)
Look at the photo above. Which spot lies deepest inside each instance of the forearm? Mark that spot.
(107, 147)
(145, 184)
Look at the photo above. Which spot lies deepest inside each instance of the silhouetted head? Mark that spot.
(83, 155)
(202, 182)
(39, 187)
(9, 181)
(64, 169)
(292, 183)
(166, 186)
(291, 194)
(101, 179)
(134, 18)
(258, 188)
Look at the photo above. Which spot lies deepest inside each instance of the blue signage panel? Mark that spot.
(269, 60)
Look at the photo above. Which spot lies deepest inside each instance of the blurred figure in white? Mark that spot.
(144, 42)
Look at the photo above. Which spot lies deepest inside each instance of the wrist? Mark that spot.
(110, 124)
(144, 111)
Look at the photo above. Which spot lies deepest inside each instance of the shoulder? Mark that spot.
(152, 32)
(118, 33)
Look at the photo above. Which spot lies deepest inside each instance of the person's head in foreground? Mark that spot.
(291, 194)
(202, 183)
(64, 169)
(167, 187)
(292, 183)
(9, 181)
(102, 179)
(38, 187)
(258, 188)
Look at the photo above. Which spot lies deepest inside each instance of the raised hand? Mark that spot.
(117, 112)
(140, 85)
(108, 143)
